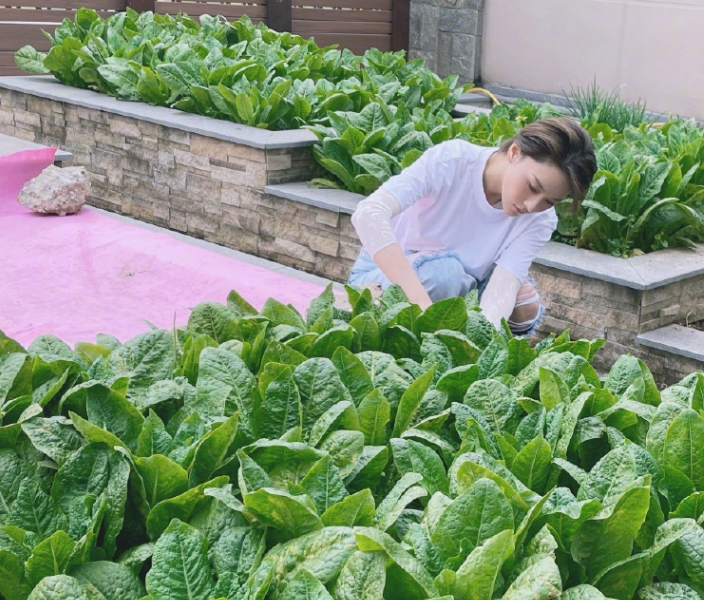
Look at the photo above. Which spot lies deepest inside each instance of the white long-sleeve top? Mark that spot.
(439, 204)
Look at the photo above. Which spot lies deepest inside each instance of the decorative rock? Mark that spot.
(56, 191)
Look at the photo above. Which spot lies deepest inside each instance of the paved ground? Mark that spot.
(94, 272)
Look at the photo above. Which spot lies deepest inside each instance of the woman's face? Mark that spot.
(530, 186)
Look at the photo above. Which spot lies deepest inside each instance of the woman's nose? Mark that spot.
(532, 203)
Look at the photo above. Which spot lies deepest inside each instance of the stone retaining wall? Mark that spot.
(208, 188)
(674, 367)
(593, 308)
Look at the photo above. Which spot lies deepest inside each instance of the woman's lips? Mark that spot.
(518, 210)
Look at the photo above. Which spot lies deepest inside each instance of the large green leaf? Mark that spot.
(305, 586)
(541, 580)
(212, 449)
(50, 557)
(374, 415)
(405, 578)
(495, 402)
(352, 374)
(619, 524)
(320, 388)
(362, 578)
(115, 414)
(414, 457)
(222, 372)
(109, 581)
(280, 407)
(356, 509)
(34, 510)
(475, 516)
(180, 567)
(59, 587)
(411, 402)
(477, 576)
(323, 553)
(324, 484)
(145, 359)
(450, 313)
(293, 515)
(179, 507)
(13, 583)
(684, 446)
(163, 478)
(532, 464)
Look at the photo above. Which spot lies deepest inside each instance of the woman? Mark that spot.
(464, 216)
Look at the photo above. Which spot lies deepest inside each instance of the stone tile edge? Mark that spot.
(630, 272)
(333, 200)
(556, 255)
(675, 339)
(590, 264)
(49, 88)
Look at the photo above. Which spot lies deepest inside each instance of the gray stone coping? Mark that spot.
(675, 339)
(476, 99)
(339, 201)
(11, 145)
(644, 272)
(46, 86)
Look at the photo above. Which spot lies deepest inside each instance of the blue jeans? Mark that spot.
(441, 274)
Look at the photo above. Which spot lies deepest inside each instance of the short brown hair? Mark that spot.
(564, 143)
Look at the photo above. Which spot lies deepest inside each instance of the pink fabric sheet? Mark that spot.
(80, 275)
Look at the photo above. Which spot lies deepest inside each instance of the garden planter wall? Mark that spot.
(245, 188)
(193, 174)
(626, 302)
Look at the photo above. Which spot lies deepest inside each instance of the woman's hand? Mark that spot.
(394, 264)
(423, 301)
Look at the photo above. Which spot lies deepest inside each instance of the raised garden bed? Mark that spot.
(264, 454)
(245, 188)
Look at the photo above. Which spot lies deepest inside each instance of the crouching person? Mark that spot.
(464, 216)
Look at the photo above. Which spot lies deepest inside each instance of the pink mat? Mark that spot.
(80, 275)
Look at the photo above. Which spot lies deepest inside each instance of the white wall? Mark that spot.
(654, 48)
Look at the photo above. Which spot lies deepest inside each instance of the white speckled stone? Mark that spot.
(56, 191)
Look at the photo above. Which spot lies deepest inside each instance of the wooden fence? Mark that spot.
(354, 24)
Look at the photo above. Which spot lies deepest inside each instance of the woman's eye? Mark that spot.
(532, 189)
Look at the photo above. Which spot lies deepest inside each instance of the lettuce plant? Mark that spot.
(382, 452)
(362, 150)
(646, 195)
(233, 71)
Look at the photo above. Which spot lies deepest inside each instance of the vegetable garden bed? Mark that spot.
(227, 183)
(377, 453)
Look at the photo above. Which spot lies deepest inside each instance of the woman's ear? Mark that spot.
(514, 152)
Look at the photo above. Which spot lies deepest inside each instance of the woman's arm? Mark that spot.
(372, 221)
(499, 297)
(394, 264)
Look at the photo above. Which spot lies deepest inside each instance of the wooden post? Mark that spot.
(401, 25)
(279, 14)
(141, 5)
